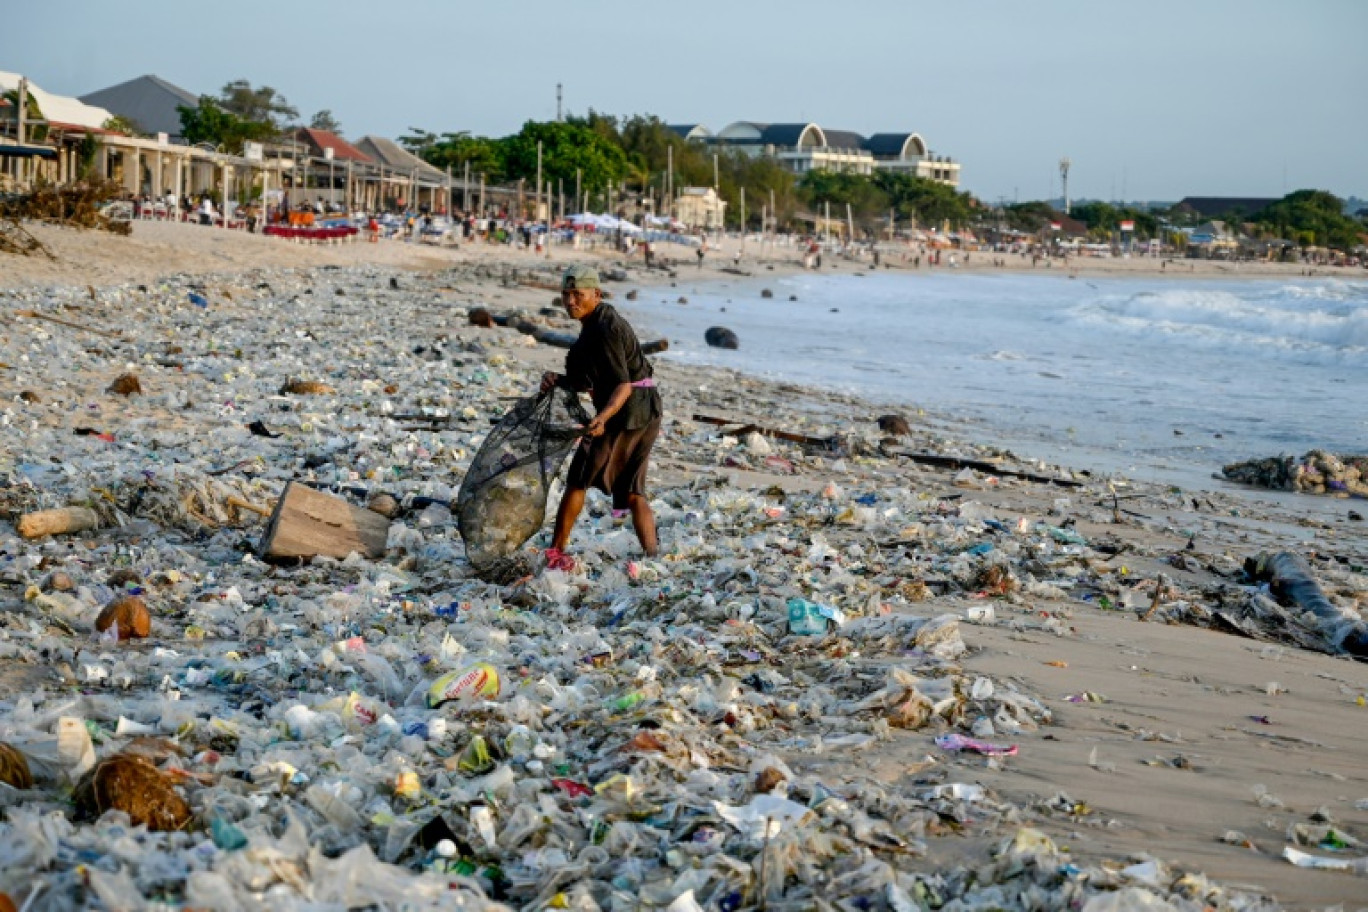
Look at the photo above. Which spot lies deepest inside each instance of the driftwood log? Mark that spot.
(979, 465)
(35, 315)
(61, 521)
(743, 428)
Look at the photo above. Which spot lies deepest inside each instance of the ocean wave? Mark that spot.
(1329, 290)
(1332, 326)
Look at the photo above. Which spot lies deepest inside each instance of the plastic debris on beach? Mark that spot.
(502, 500)
(697, 731)
(1318, 472)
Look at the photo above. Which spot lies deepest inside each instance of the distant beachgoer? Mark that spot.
(700, 253)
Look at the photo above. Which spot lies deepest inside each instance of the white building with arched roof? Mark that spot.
(804, 147)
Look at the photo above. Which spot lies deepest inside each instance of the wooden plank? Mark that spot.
(978, 465)
(35, 315)
(826, 443)
(308, 523)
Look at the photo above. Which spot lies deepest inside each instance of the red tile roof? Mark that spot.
(319, 140)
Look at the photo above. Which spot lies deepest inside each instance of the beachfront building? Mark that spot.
(324, 169)
(40, 134)
(65, 139)
(907, 152)
(149, 103)
(397, 169)
(804, 147)
(799, 147)
(1219, 207)
(701, 208)
(692, 132)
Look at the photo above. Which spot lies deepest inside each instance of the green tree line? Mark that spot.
(241, 114)
(643, 156)
(1311, 218)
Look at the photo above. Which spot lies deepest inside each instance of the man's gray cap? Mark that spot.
(577, 277)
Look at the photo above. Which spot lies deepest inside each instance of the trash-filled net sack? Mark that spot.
(502, 501)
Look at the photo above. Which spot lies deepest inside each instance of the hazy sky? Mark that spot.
(1155, 99)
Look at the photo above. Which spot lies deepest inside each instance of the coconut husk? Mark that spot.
(123, 575)
(154, 748)
(914, 590)
(911, 710)
(30, 396)
(384, 504)
(130, 613)
(132, 784)
(7, 904)
(126, 385)
(14, 768)
(894, 424)
(996, 579)
(58, 581)
(768, 780)
(481, 318)
(306, 388)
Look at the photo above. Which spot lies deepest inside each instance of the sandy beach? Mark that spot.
(1196, 747)
(160, 248)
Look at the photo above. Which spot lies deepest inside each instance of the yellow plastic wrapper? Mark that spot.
(407, 785)
(479, 681)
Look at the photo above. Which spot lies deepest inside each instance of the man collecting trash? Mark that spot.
(606, 361)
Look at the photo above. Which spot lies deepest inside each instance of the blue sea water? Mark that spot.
(1164, 379)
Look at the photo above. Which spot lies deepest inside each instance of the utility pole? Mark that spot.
(1064, 165)
(539, 181)
(559, 118)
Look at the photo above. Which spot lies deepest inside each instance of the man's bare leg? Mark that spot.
(643, 521)
(570, 506)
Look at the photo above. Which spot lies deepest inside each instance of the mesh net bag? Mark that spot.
(502, 501)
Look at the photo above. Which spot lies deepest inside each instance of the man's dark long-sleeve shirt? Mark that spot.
(606, 355)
